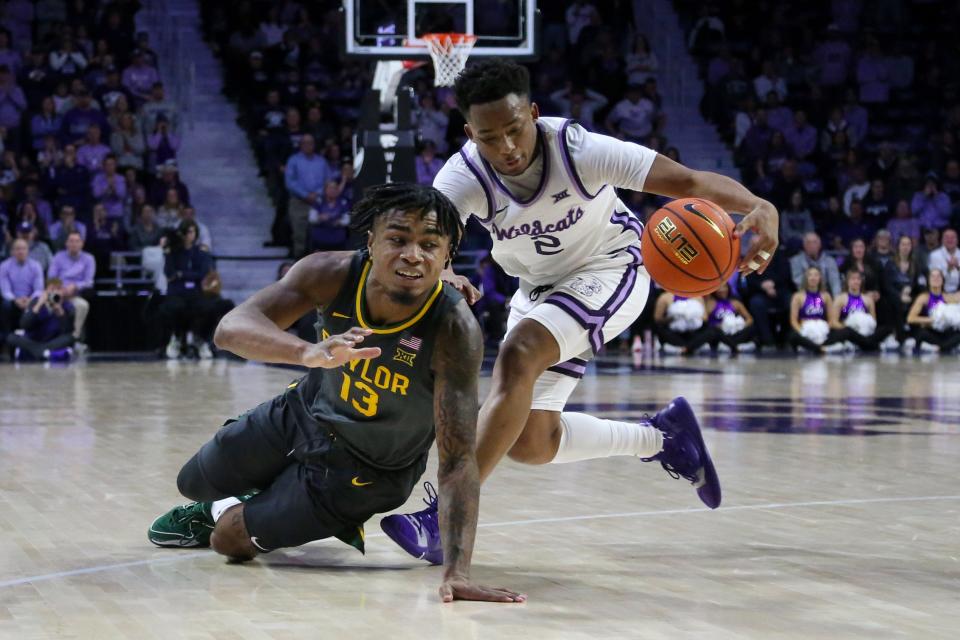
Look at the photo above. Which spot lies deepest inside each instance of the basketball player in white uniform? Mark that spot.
(545, 190)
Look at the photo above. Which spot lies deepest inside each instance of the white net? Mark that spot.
(449, 52)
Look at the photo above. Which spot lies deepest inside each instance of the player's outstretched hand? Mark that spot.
(339, 349)
(765, 221)
(462, 589)
(462, 284)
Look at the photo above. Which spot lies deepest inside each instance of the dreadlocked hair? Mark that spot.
(489, 81)
(408, 197)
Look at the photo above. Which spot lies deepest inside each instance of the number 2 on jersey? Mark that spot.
(547, 245)
(366, 403)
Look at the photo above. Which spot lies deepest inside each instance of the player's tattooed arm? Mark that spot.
(456, 364)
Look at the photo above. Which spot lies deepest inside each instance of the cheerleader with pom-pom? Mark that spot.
(731, 318)
(853, 316)
(935, 316)
(808, 313)
(679, 323)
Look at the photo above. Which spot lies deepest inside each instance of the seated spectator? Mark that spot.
(769, 80)
(756, 138)
(70, 180)
(730, 318)
(46, 326)
(877, 208)
(44, 124)
(156, 106)
(856, 116)
(858, 188)
(845, 230)
(903, 223)
(428, 164)
(12, 105)
(39, 251)
(772, 162)
(578, 103)
(768, 296)
(110, 188)
(306, 176)
(902, 279)
(139, 78)
(80, 117)
(127, 143)
(186, 313)
(67, 61)
(920, 317)
(8, 55)
(162, 143)
(92, 152)
(146, 232)
(28, 212)
(106, 236)
(801, 136)
(204, 239)
(67, 224)
(120, 108)
(808, 311)
(946, 259)
(813, 256)
(641, 63)
(930, 205)
(431, 122)
(21, 278)
(49, 154)
(679, 323)
(75, 268)
(36, 80)
(632, 118)
(111, 91)
(169, 179)
(882, 250)
(873, 74)
(168, 214)
(329, 219)
(866, 266)
(930, 243)
(779, 116)
(795, 222)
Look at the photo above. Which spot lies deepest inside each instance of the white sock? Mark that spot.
(218, 507)
(583, 437)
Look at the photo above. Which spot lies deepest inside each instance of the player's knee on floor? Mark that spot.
(192, 484)
(230, 537)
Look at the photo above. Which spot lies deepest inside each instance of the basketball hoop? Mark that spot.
(449, 52)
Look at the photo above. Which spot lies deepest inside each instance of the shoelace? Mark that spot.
(671, 470)
(429, 517)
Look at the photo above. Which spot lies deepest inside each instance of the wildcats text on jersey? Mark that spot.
(537, 228)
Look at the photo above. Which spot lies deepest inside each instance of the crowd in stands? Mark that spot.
(854, 142)
(88, 167)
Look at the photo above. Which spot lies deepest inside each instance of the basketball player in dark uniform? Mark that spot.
(396, 365)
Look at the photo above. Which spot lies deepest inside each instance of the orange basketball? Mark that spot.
(688, 247)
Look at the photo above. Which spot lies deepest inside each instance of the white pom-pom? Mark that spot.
(685, 315)
(815, 331)
(861, 322)
(945, 317)
(732, 324)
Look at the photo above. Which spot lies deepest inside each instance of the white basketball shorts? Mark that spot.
(583, 311)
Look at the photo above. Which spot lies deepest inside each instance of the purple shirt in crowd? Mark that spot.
(91, 156)
(874, 78)
(112, 198)
(833, 58)
(12, 104)
(20, 280)
(78, 271)
(803, 140)
(904, 227)
(427, 171)
(932, 212)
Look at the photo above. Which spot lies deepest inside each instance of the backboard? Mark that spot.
(392, 29)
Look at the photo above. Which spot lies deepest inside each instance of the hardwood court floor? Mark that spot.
(840, 515)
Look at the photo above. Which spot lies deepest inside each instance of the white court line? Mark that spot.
(512, 523)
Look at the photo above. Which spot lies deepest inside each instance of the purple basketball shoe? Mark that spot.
(684, 452)
(418, 533)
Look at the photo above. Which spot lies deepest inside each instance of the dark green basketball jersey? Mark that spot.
(381, 408)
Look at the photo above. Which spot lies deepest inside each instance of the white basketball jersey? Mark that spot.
(567, 223)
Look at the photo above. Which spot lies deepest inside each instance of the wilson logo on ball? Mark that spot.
(668, 232)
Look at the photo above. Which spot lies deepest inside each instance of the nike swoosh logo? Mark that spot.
(421, 534)
(256, 543)
(356, 482)
(339, 315)
(689, 207)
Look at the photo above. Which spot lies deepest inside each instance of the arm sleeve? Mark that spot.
(37, 280)
(600, 160)
(456, 182)
(292, 179)
(89, 268)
